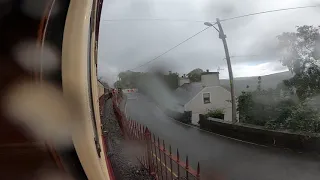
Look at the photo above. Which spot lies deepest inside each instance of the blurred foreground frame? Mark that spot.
(21, 155)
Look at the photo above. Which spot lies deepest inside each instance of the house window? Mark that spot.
(206, 98)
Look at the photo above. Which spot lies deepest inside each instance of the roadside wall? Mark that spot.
(255, 134)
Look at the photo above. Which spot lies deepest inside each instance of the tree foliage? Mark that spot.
(130, 79)
(245, 107)
(172, 80)
(300, 53)
(269, 109)
(215, 113)
(283, 114)
(195, 75)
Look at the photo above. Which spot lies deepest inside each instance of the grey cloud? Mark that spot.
(230, 8)
(279, 67)
(126, 44)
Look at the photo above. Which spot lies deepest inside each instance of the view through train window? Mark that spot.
(212, 89)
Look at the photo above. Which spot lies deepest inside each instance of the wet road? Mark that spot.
(219, 155)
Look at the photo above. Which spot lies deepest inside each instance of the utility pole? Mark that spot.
(223, 37)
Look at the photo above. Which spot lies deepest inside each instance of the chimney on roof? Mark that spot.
(210, 79)
(183, 80)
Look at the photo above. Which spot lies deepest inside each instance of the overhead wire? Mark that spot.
(170, 49)
(239, 56)
(222, 20)
(202, 21)
(156, 19)
(270, 11)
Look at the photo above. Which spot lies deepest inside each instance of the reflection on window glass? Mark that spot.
(260, 59)
(206, 98)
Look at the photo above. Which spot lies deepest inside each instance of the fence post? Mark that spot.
(160, 158)
(155, 152)
(140, 133)
(187, 167)
(165, 158)
(178, 162)
(116, 98)
(131, 128)
(126, 126)
(170, 152)
(198, 171)
(147, 136)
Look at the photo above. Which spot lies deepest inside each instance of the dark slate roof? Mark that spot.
(205, 73)
(187, 91)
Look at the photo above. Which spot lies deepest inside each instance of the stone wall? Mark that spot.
(284, 139)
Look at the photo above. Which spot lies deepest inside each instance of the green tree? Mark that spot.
(172, 80)
(128, 79)
(245, 107)
(195, 75)
(300, 55)
(303, 118)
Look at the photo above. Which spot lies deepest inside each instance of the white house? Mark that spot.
(198, 97)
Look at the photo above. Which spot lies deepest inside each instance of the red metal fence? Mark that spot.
(102, 101)
(156, 156)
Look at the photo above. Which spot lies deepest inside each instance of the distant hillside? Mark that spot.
(268, 81)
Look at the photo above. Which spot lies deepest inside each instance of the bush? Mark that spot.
(216, 113)
(277, 115)
(304, 118)
(283, 110)
(254, 110)
(245, 106)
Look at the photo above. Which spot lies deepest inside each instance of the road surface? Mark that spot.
(232, 159)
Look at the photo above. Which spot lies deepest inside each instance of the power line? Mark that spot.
(170, 49)
(156, 19)
(244, 56)
(270, 11)
(181, 44)
(202, 21)
(252, 14)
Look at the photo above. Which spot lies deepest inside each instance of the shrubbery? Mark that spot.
(278, 115)
(301, 56)
(215, 113)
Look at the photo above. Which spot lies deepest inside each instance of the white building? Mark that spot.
(199, 97)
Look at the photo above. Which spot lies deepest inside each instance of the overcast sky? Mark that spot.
(125, 44)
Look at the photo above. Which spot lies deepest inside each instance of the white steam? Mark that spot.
(160, 93)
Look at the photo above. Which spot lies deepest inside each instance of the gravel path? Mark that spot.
(121, 152)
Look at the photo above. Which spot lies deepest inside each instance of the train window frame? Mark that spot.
(91, 63)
